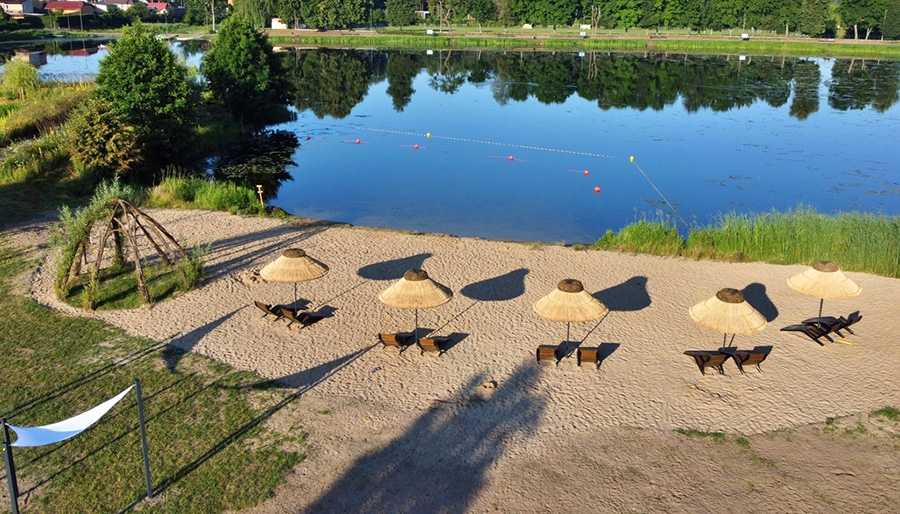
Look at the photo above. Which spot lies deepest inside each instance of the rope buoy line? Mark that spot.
(484, 142)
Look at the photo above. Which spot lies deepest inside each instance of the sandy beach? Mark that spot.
(483, 427)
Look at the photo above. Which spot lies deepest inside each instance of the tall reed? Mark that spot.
(856, 241)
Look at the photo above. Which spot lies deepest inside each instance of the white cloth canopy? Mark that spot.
(62, 430)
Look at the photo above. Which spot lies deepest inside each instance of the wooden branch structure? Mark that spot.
(125, 224)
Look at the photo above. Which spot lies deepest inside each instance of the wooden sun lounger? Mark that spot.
(433, 344)
(274, 310)
(589, 355)
(832, 324)
(395, 340)
(304, 319)
(748, 358)
(545, 352)
(814, 332)
(708, 359)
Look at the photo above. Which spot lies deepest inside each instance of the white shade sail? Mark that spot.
(62, 430)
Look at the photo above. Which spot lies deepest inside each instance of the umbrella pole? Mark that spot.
(821, 302)
(568, 324)
(724, 338)
(416, 331)
(295, 294)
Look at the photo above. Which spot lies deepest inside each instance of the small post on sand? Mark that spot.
(259, 192)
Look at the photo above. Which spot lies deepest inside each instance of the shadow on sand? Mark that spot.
(630, 295)
(501, 288)
(392, 269)
(439, 464)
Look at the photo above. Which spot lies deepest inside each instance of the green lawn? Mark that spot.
(210, 448)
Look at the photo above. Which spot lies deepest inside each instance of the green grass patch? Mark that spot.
(116, 287)
(856, 241)
(887, 413)
(743, 442)
(199, 193)
(718, 437)
(40, 116)
(210, 449)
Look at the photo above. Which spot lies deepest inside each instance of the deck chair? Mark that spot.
(589, 355)
(545, 352)
(433, 344)
(274, 310)
(708, 359)
(832, 324)
(395, 340)
(814, 332)
(748, 358)
(304, 319)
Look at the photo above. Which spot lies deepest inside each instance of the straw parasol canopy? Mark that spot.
(728, 312)
(291, 267)
(570, 302)
(415, 291)
(824, 280)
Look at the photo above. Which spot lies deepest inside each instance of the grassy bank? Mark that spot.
(674, 44)
(857, 242)
(210, 450)
(199, 193)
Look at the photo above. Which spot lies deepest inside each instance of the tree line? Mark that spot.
(333, 82)
(861, 18)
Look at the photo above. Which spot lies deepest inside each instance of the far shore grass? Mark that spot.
(636, 40)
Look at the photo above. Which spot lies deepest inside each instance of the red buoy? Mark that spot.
(307, 138)
(357, 141)
(510, 157)
(586, 173)
(597, 190)
(416, 147)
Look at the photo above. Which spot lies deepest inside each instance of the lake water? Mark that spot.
(511, 135)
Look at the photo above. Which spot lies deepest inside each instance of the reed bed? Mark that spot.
(856, 241)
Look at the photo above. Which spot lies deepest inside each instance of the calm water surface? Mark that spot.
(759, 134)
(708, 134)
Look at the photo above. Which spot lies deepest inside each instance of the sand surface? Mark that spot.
(485, 428)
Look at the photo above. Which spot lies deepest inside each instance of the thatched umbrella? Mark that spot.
(415, 291)
(570, 302)
(292, 267)
(824, 280)
(728, 312)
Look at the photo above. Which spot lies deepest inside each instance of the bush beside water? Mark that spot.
(200, 193)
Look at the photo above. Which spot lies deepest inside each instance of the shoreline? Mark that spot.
(495, 283)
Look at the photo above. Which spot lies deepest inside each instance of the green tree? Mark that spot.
(148, 88)
(243, 73)
(862, 14)
(890, 27)
(138, 11)
(20, 79)
(400, 13)
(99, 141)
(812, 15)
(341, 14)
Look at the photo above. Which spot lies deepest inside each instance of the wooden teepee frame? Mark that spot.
(123, 225)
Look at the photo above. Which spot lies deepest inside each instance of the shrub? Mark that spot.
(99, 141)
(20, 79)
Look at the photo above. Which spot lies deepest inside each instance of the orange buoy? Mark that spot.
(597, 190)
(357, 141)
(416, 146)
(510, 157)
(586, 173)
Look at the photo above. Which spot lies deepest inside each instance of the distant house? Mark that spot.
(121, 5)
(160, 7)
(69, 8)
(17, 8)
